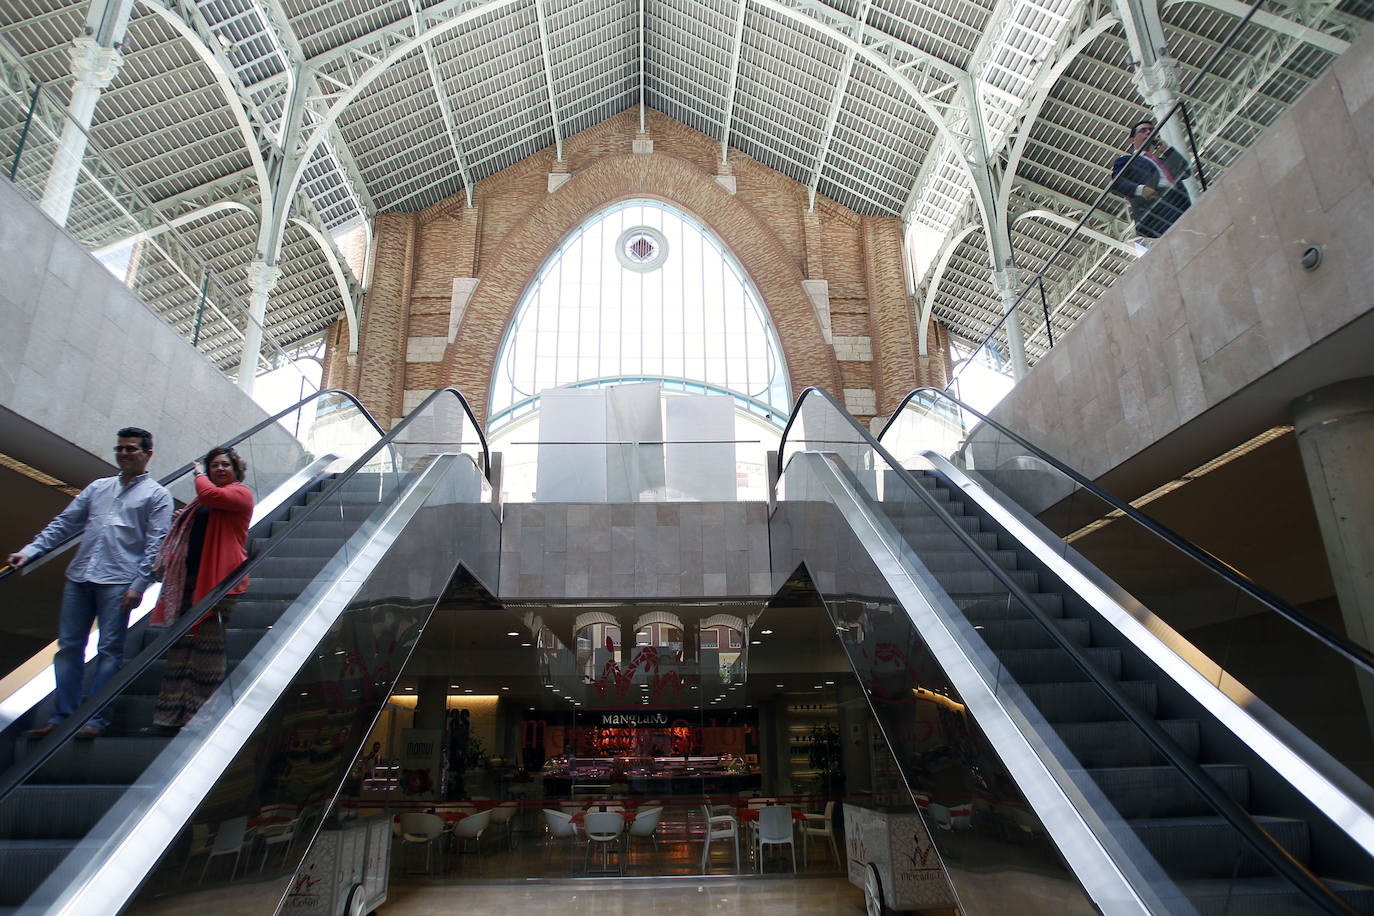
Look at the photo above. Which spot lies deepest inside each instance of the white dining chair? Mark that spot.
(603, 829)
(819, 825)
(229, 841)
(422, 829)
(718, 827)
(775, 829)
(469, 830)
(645, 824)
(559, 826)
(503, 821)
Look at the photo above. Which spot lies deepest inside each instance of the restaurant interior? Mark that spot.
(531, 740)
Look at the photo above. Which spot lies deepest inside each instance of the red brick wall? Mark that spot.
(515, 224)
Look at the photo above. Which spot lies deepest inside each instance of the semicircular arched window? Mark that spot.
(641, 292)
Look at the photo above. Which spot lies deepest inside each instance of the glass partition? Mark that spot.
(1247, 644)
(322, 550)
(1005, 705)
(732, 470)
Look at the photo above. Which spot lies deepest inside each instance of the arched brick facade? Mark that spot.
(424, 265)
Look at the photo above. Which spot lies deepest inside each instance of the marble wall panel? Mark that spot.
(635, 551)
(1222, 300)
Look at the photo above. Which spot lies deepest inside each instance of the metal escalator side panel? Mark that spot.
(20, 695)
(871, 580)
(296, 708)
(1331, 788)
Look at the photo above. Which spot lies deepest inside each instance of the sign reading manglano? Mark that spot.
(634, 718)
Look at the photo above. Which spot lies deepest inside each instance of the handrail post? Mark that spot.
(24, 134)
(1192, 145)
(200, 308)
(1045, 307)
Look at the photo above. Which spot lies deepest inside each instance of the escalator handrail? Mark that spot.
(186, 468)
(19, 773)
(1352, 652)
(1269, 849)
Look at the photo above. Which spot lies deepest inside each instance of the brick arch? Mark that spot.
(774, 272)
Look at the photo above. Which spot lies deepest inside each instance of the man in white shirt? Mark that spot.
(123, 521)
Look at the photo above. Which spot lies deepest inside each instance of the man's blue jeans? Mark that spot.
(83, 602)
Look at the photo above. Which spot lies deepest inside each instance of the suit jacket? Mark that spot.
(1152, 217)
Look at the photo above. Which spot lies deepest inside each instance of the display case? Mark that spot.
(652, 776)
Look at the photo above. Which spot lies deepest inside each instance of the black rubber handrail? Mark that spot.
(1356, 654)
(1268, 848)
(186, 468)
(20, 772)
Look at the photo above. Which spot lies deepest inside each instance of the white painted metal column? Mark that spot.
(1004, 280)
(262, 277)
(93, 69)
(1000, 253)
(1156, 75)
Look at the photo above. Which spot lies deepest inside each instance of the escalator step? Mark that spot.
(1208, 847)
(1267, 896)
(980, 581)
(279, 589)
(318, 528)
(1163, 792)
(355, 512)
(917, 510)
(1000, 606)
(297, 546)
(910, 526)
(1039, 666)
(1077, 701)
(24, 864)
(108, 759)
(277, 567)
(1029, 634)
(256, 612)
(239, 641)
(45, 812)
(963, 560)
(922, 541)
(1120, 744)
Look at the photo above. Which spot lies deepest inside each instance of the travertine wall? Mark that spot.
(81, 355)
(635, 550)
(429, 267)
(1218, 325)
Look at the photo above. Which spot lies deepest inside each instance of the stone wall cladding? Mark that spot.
(516, 223)
(1221, 302)
(635, 550)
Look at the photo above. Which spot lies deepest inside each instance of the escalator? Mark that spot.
(1068, 748)
(343, 575)
(285, 455)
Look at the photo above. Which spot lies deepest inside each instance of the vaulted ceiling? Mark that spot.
(407, 102)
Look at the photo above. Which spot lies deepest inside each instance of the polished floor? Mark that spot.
(806, 896)
(526, 853)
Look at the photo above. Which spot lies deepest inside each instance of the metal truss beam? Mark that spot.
(548, 78)
(832, 115)
(445, 111)
(354, 67)
(736, 50)
(1280, 24)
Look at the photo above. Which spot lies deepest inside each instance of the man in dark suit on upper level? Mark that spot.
(1153, 183)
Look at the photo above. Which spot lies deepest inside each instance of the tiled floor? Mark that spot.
(677, 854)
(785, 896)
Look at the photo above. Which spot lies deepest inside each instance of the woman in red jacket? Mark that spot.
(206, 543)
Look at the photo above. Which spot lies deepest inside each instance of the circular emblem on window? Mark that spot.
(641, 248)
